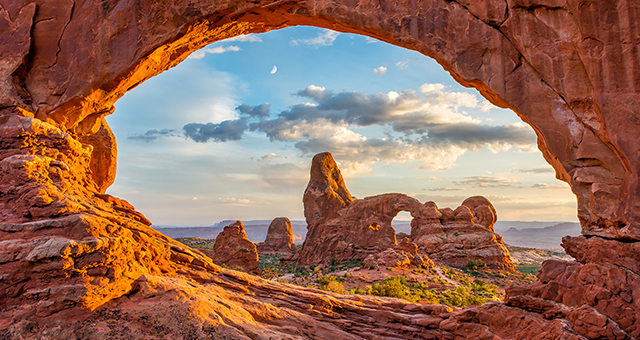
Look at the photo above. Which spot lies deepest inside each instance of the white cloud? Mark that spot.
(325, 38)
(540, 170)
(199, 54)
(434, 179)
(246, 38)
(488, 181)
(430, 128)
(402, 64)
(447, 189)
(268, 157)
(238, 201)
(380, 71)
(558, 185)
(370, 40)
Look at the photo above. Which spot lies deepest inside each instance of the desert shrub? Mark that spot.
(269, 272)
(393, 286)
(358, 290)
(330, 283)
(334, 286)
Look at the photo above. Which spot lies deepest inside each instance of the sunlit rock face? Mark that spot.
(235, 250)
(457, 236)
(77, 263)
(344, 229)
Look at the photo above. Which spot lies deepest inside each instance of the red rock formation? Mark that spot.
(78, 264)
(403, 255)
(605, 277)
(235, 250)
(559, 80)
(464, 234)
(326, 192)
(279, 238)
(363, 228)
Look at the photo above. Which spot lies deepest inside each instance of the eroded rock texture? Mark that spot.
(457, 236)
(279, 238)
(233, 249)
(77, 263)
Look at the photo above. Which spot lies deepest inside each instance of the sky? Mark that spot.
(229, 133)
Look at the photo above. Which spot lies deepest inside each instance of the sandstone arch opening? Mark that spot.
(65, 65)
(478, 46)
(250, 176)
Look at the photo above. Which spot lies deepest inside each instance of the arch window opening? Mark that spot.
(402, 223)
(230, 132)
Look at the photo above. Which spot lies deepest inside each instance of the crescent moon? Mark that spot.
(274, 69)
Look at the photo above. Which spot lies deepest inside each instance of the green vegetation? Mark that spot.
(473, 266)
(330, 283)
(529, 268)
(393, 286)
(469, 291)
(270, 267)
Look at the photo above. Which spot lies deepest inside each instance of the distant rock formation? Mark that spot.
(279, 238)
(340, 228)
(326, 192)
(234, 249)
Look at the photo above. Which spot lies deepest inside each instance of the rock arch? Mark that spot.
(553, 64)
(569, 68)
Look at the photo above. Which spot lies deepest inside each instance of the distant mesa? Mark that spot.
(279, 238)
(341, 227)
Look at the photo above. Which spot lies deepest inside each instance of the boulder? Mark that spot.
(404, 255)
(233, 249)
(279, 238)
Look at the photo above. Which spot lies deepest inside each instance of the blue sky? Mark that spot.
(221, 136)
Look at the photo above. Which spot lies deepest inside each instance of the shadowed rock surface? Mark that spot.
(279, 238)
(76, 263)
